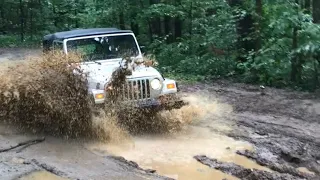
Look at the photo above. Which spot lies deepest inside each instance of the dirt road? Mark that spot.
(231, 131)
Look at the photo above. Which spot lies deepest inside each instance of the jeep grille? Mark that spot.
(136, 89)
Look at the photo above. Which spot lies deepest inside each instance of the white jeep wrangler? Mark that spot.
(102, 49)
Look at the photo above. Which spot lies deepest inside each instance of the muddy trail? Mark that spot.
(282, 125)
(228, 131)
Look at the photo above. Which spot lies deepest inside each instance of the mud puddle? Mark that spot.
(41, 175)
(172, 155)
(305, 170)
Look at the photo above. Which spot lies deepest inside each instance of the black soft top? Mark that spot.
(83, 32)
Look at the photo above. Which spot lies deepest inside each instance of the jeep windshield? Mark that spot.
(104, 47)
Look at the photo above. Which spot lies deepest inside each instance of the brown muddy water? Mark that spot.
(305, 170)
(41, 175)
(172, 154)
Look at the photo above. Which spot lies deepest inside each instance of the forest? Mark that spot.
(269, 42)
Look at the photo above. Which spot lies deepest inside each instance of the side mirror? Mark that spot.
(142, 49)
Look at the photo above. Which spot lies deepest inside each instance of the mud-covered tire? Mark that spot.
(95, 109)
(174, 102)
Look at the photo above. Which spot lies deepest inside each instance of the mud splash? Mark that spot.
(105, 128)
(43, 94)
(172, 154)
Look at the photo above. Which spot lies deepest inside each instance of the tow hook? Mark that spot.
(177, 86)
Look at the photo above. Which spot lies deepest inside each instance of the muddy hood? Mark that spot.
(101, 73)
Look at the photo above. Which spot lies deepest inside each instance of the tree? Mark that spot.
(156, 20)
(245, 28)
(259, 7)
(178, 23)
(316, 11)
(21, 20)
(296, 65)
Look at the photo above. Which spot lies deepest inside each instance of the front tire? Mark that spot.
(95, 108)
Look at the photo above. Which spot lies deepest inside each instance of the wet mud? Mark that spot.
(282, 125)
(41, 175)
(241, 172)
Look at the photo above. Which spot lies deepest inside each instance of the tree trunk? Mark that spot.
(178, 28)
(177, 24)
(168, 28)
(307, 6)
(121, 20)
(76, 14)
(2, 18)
(156, 26)
(156, 21)
(245, 28)
(316, 19)
(135, 28)
(148, 20)
(233, 3)
(31, 19)
(134, 23)
(296, 66)
(294, 59)
(55, 21)
(258, 25)
(191, 19)
(316, 11)
(316, 65)
(21, 21)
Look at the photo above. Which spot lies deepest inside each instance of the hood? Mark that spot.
(101, 72)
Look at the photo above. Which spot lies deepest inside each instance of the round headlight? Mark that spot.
(156, 84)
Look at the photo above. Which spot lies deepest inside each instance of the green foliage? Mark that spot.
(10, 41)
(196, 40)
(272, 64)
(189, 55)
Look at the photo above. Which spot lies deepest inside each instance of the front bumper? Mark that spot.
(164, 102)
(167, 99)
